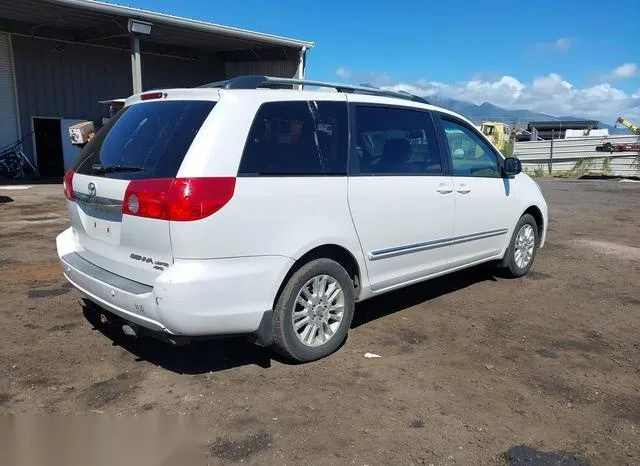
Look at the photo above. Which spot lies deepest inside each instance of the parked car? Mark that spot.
(239, 210)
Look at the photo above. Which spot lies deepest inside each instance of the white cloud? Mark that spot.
(505, 91)
(624, 71)
(561, 44)
(550, 84)
(343, 73)
(549, 94)
(564, 43)
(374, 78)
(628, 70)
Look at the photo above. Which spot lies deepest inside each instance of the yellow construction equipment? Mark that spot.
(626, 147)
(499, 134)
(630, 126)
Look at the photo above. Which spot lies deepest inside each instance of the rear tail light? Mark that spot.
(67, 184)
(147, 198)
(179, 200)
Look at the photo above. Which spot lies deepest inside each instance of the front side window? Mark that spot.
(470, 155)
(394, 141)
(297, 138)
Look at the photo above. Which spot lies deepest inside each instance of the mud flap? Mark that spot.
(264, 335)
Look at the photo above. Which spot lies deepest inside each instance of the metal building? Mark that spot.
(60, 58)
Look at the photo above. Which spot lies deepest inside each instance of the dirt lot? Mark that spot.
(472, 365)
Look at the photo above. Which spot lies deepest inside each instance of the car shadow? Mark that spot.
(198, 357)
(396, 301)
(214, 355)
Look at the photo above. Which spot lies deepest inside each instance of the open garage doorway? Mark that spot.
(47, 138)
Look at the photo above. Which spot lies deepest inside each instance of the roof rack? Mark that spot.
(255, 82)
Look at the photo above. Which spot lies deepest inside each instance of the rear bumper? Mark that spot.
(191, 298)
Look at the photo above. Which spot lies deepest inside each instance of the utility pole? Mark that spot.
(551, 153)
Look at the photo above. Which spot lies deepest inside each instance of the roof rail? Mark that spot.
(255, 82)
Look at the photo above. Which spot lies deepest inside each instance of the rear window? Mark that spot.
(147, 140)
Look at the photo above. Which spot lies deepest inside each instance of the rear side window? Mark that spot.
(297, 139)
(146, 140)
(394, 141)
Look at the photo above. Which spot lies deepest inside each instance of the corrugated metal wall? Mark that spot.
(579, 156)
(67, 80)
(280, 68)
(8, 119)
(163, 72)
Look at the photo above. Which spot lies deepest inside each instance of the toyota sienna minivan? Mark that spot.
(240, 209)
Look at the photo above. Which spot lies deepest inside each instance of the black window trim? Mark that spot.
(440, 117)
(293, 175)
(444, 160)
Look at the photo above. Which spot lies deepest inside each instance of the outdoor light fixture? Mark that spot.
(139, 27)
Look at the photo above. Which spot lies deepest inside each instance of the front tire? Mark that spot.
(522, 249)
(314, 311)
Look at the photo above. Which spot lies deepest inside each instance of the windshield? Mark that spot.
(147, 140)
(487, 130)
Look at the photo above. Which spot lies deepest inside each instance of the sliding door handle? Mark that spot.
(444, 189)
(464, 189)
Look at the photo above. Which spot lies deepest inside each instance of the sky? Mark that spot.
(569, 57)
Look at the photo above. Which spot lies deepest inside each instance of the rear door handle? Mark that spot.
(464, 189)
(444, 188)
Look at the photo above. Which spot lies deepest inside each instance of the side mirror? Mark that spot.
(512, 166)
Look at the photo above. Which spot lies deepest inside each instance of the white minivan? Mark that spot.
(242, 208)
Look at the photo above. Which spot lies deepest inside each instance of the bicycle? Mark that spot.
(14, 164)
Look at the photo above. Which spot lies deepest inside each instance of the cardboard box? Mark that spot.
(80, 132)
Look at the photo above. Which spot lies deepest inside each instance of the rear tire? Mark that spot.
(522, 249)
(314, 311)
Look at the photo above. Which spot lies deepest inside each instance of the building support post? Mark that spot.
(301, 65)
(136, 68)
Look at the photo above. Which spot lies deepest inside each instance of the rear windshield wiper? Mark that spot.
(105, 168)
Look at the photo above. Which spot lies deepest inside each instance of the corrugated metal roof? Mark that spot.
(88, 18)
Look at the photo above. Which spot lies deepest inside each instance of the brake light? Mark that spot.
(152, 95)
(196, 198)
(67, 184)
(178, 200)
(147, 198)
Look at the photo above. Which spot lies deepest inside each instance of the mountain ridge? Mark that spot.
(487, 111)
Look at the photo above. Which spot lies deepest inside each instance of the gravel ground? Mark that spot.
(474, 369)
